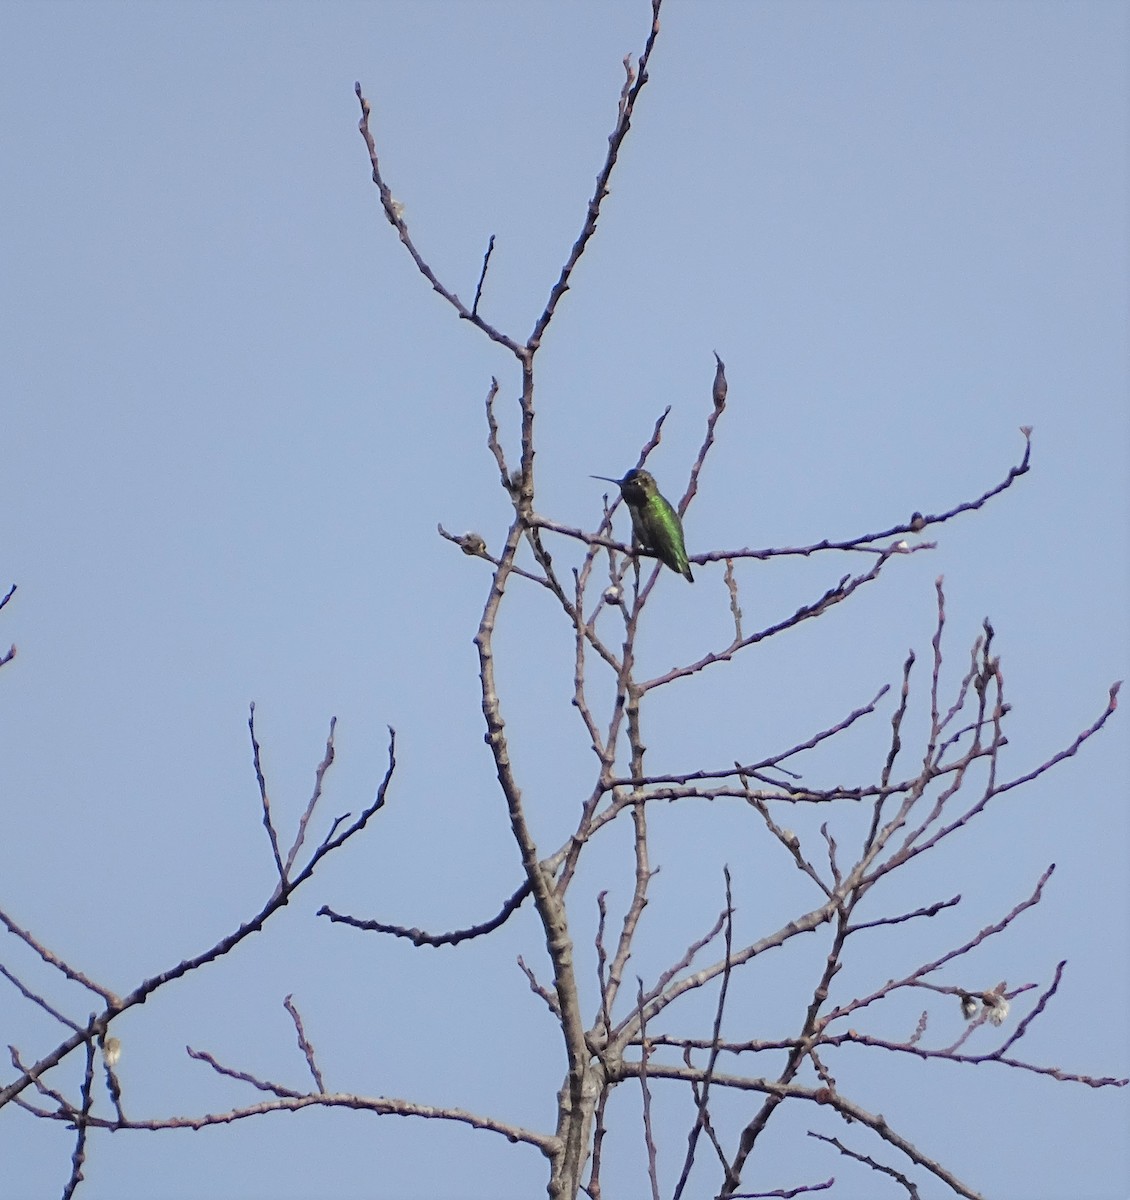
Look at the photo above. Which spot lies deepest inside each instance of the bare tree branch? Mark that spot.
(633, 85)
(648, 1138)
(78, 1157)
(268, 823)
(419, 938)
(304, 1044)
(911, 1189)
(115, 1005)
(703, 1098)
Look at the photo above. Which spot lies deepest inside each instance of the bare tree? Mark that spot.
(931, 787)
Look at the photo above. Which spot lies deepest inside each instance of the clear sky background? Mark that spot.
(233, 415)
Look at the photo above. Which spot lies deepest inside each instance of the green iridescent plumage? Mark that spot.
(655, 523)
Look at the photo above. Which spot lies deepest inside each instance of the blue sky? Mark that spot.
(234, 415)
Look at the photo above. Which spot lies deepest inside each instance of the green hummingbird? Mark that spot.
(655, 524)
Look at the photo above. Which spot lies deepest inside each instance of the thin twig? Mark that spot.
(278, 901)
(787, 1193)
(394, 211)
(715, 1040)
(482, 277)
(419, 937)
(633, 85)
(35, 998)
(78, 1155)
(63, 967)
(911, 1189)
(304, 1043)
(268, 823)
(316, 795)
(648, 1138)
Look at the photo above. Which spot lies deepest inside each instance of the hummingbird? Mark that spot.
(655, 524)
